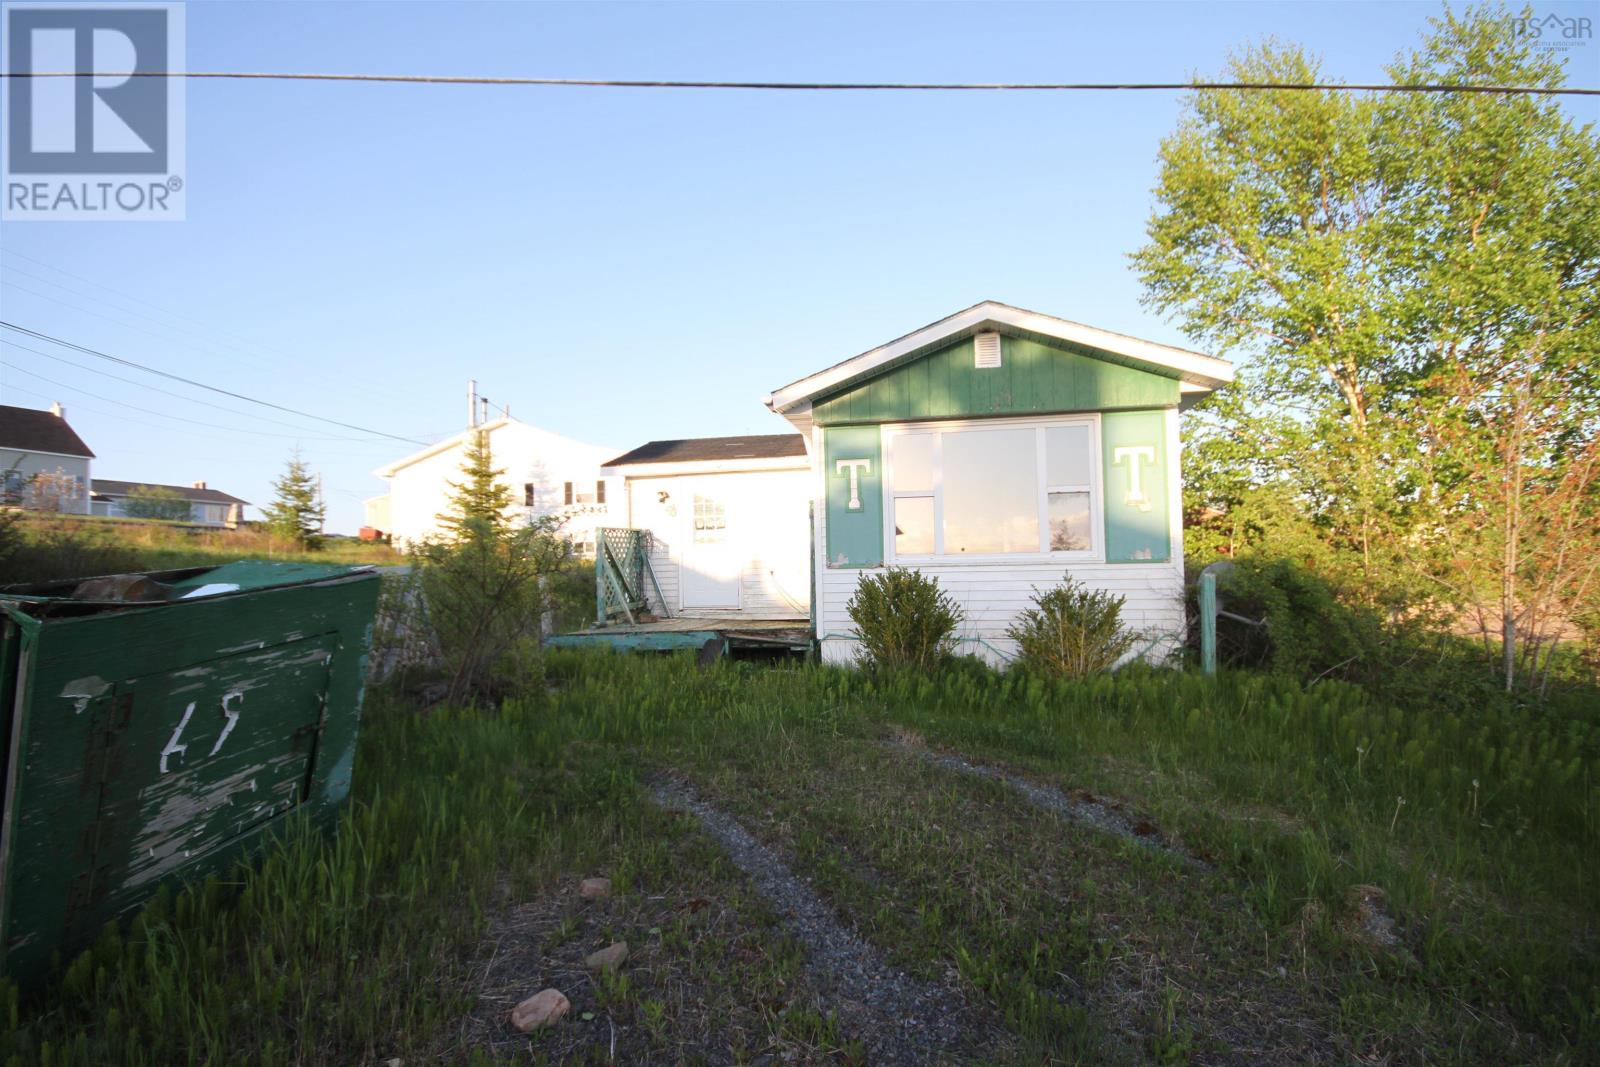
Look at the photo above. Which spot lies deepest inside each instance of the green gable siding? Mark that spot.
(1033, 378)
(854, 536)
(1136, 528)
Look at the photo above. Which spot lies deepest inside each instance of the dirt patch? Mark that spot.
(1369, 920)
(1079, 805)
(615, 1018)
(898, 1019)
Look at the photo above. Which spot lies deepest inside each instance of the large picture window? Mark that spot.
(993, 489)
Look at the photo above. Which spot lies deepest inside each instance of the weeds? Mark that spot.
(365, 944)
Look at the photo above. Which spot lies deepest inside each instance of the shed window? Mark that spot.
(710, 519)
(993, 489)
(600, 491)
(568, 493)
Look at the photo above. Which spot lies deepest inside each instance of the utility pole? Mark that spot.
(472, 403)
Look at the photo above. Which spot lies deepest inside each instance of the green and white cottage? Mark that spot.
(997, 450)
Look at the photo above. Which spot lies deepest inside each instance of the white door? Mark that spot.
(712, 561)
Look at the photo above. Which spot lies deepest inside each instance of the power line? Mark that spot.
(14, 254)
(624, 83)
(183, 333)
(13, 287)
(201, 385)
(169, 392)
(163, 414)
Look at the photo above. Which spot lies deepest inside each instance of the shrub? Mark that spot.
(1071, 631)
(156, 502)
(904, 620)
(483, 597)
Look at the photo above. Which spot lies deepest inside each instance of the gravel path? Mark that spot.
(899, 1019)
(1079, 806)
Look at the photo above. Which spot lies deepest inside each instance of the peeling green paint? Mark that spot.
(153, 741)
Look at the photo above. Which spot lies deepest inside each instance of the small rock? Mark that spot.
(594, 888)
(395, 1062)
(544, 1008)
(609, 958)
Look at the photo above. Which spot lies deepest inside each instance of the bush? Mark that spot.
(904, 620)
(156, 502)
(1317, 628)
(1071, 631)
(483, 598)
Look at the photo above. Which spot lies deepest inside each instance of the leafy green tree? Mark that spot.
(1274, 212)
(156, 502)
(480, 503)
(1408, 282)
(1500, 285)
(297, 513)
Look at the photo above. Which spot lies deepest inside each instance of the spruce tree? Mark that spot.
(297, 513)
(479, 503)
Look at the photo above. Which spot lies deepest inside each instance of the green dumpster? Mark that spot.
(160, 726)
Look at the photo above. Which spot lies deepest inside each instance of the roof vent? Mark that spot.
(986, 351)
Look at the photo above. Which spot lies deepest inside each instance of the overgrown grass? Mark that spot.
(54, 547)
(363, 945)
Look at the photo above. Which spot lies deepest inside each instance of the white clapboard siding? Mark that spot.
(767, 520)
(994, 593)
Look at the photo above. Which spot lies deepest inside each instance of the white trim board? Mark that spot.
(683, 468)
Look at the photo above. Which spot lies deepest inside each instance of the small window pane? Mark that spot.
(913, 526)
(1066, 455)
(912, 456)
(710, 519)
(991, 492)
(1069, 522)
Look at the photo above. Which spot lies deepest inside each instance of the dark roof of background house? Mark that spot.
(112, 487)
(700, 449)
(31, 430)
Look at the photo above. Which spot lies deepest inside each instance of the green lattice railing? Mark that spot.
(621, 569)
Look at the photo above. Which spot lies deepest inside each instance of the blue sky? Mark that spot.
(616, 265)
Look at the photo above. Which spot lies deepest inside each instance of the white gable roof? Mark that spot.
(543, 440)
(1195, 371)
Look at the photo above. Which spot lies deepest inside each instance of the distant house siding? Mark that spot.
(420, 491)
(20, 466)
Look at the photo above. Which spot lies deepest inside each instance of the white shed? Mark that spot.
(728, 524)
(999, 450)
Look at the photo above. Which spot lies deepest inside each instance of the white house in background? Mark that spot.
(727, 517)
(207, 506)
(998, 450)
(548, 475)
(44, 464)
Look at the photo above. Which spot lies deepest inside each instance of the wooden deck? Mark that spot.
(721, 633)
